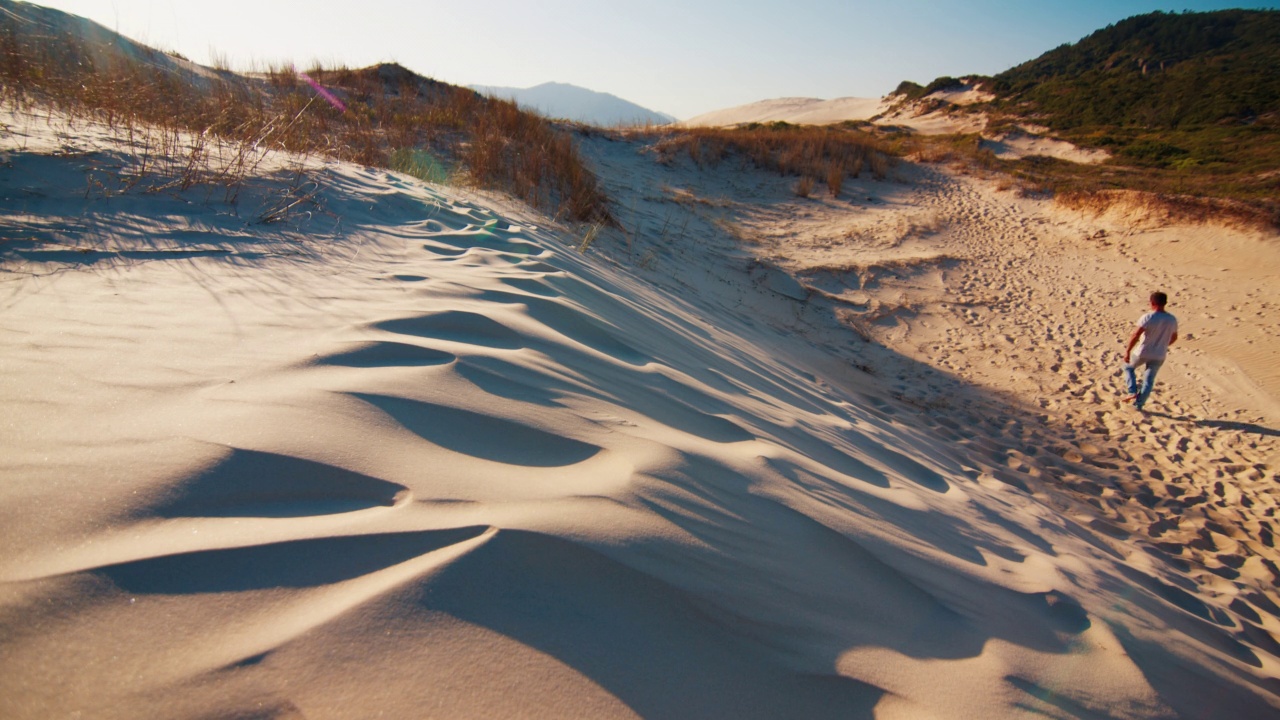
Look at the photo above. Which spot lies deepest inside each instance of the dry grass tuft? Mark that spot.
(1162, 208)
(835, 178)
(832, 153)
(383, 116)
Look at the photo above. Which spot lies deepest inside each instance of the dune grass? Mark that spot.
(383, 116)
(814, 154)
(1230, 177)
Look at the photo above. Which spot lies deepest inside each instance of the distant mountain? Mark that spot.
(570, 102)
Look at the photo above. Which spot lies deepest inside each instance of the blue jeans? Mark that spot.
(1142, 391)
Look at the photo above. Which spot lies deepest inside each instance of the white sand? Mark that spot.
(888, 110)
(879, 111)
(404, 453)
(1014, 145)
(920, 116)
(801, 111)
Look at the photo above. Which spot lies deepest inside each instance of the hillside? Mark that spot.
(385, 115)
(1156, 71)
(1186, 105)
(570, 102)
(1183, 108)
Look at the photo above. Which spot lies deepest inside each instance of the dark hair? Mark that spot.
(1160, 299)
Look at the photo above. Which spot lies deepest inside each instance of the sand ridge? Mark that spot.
(403, 450)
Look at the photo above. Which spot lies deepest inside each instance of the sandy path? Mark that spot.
(1004, 321)
(1035, 304)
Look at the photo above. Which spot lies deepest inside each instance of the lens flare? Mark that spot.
(333, 100)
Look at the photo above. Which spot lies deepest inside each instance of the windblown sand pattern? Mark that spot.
(402, 451)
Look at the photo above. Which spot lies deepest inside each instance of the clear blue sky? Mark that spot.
(682, 57)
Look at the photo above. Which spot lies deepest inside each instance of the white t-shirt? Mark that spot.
(1158, 329)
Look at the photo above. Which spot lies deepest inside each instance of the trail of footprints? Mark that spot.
(1201, 495)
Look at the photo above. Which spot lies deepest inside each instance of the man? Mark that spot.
(1157, 330)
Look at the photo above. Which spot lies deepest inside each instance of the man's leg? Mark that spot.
(1148, 381)
(1130, 380)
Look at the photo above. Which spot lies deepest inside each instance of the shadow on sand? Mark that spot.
(1243, 427)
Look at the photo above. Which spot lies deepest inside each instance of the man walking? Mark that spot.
(1157, 330)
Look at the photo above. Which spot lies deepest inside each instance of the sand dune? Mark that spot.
(921, 116)
(402, 451)
(810, 111)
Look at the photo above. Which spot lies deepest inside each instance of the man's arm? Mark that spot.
(1133, 340)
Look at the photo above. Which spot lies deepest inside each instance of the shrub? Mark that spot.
(942, 83)
(910, 89)
(1153, 152)
(835, 178)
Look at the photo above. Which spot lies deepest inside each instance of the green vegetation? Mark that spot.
(911, 90)
(1158, 71)
(1170, 177)
(1187, 104)
(915, 91)
(384, 116)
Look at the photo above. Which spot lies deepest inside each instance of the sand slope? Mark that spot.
(811, 111)
(931, 115)
(402, 452)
